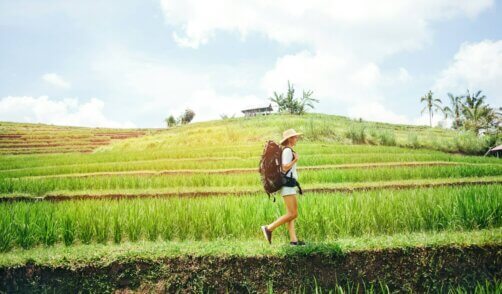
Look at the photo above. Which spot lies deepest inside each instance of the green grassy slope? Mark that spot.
(358, 196)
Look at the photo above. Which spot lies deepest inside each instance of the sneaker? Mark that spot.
(297, 243)
(267, 233)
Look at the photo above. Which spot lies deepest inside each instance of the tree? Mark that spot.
(431, 105)
(288, 103)
(170, 121)
(187, 117)
(279, 100)
(306, 101)
(477, 114)
(455, 111)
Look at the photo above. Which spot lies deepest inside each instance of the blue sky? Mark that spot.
(133, 63)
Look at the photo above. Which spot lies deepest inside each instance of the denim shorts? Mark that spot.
(287, 190)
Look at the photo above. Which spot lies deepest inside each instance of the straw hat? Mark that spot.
(288, 134)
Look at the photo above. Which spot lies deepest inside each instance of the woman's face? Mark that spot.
(293, 140)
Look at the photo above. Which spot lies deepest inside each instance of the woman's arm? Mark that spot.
(287, 166)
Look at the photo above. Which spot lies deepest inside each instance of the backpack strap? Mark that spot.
(299, 188)
(290, 170)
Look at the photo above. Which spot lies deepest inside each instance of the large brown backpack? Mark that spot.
(270, 167)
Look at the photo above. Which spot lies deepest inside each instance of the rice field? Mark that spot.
(17, 138)
(322, 217)
(368, 193)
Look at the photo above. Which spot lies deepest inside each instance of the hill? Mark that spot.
(181, 208)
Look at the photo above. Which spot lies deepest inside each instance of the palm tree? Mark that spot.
(478, 115)
(431, 105)
(291, 104)
(455, 111)
(279, 100)
(306, 100)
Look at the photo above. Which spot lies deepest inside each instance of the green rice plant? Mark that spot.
(152, 224)
(34, 186)
(196, 157)
(49, 228)
(117, 229)
(321, 216)
(25, 228)
(319, 158)
(133, 222)
(68, 230)
(7, 233)
(85, 221)
(101, 226)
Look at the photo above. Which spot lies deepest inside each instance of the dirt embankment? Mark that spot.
(418, 269)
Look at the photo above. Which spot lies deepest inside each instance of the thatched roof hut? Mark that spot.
(496, 151)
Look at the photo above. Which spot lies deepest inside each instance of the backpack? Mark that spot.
(271, 175)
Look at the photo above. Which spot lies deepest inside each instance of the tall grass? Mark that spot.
(321, 216)
(226, 163)
(41, 186)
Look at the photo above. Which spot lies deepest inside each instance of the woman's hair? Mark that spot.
(285, 143)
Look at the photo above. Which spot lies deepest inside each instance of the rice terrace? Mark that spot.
(309, 146)
(153, 213)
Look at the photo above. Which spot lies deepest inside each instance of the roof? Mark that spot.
(498, 148)
(267, 108)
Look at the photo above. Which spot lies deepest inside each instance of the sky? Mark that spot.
(133, 63)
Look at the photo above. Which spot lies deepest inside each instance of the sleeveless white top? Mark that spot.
(287, 157)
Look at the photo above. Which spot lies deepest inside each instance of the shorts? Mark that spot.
(285, 190)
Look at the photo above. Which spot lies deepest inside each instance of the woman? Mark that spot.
(289, 160)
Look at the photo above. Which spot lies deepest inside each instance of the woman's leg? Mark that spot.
(291, 212)
(291, 229)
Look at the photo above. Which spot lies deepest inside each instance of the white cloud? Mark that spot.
(343, 85)
(476, 66)
(68, 112)
(167, 88)
(374, 111)
(345, 42)
(383, 27)
(56, 80)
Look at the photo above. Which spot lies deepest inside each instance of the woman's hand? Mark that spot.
(295, 157)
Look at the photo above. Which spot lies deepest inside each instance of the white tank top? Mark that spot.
(287, 157)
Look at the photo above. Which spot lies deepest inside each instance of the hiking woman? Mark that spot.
(289, 160)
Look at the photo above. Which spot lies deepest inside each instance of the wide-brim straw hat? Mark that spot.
(288, 134)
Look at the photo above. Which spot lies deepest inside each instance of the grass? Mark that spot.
(481, 287)
(321, 216)
(19, 138)
(347, 155)
(41, 186)
(96, 254)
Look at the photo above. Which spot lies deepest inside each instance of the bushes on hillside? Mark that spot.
(381, 137)
(356, 133)
(183, 119)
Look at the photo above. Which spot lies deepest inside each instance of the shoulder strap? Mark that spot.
(291, 169)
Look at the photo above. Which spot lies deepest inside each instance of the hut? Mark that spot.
(258, 111)
(495, 151)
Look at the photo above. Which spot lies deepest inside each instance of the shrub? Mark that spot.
(316, 131)
(383, 137)
(467, 142)
(387, 138)
(357, 134)
(413, 141)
